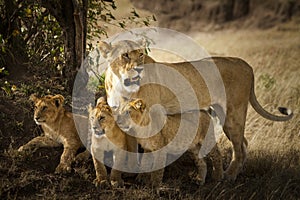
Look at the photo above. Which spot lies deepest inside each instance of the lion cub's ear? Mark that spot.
(58, 100)
(101, 101)
(104, 48)
(33, 98)
(138, 104)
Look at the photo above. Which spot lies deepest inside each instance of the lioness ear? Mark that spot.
(33, 98)
(104, 48)
(58, 100)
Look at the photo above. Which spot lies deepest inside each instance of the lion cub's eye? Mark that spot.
(44, 108)
(126, 56)
(101, 118)
(127, 112)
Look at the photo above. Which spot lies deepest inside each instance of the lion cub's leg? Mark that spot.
(132, 146)
(119, 162)
(216, 157)
(82, 157)
(38, 142)
(66, 159)
(200, 164)
(157, 176)
(101, 173)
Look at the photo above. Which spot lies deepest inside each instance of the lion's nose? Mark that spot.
(138, 69)
(36, 118)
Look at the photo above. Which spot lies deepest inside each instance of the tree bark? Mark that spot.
(71, 15)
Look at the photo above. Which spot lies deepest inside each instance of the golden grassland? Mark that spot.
(274, 56)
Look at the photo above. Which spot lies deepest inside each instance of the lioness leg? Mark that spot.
(234, 130)
(38, 142)
(66, 159)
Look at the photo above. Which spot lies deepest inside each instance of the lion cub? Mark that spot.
(106, 136)
(59, 128)
(136, 115)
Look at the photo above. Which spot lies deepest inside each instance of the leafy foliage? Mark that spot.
(100, 12)
(43, 36)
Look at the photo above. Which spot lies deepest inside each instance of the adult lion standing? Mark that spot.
(129, 66)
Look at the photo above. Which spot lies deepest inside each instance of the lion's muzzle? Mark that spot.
(132, 81)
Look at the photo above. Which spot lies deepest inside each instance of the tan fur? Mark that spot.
(139, 113)
(58, 127)
(237, 77)
(101, 121)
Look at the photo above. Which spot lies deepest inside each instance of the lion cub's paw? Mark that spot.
(143, 178)
(63, 169)
(217, 175)
(199, 180)
(23, 151)
(83, 157)
(117, 183)
(101, 183)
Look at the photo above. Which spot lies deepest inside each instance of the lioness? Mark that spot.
(106, 136)
(58, 127)
(129, 66)
(139, 113)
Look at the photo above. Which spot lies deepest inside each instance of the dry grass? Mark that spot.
(274, 55)
(272, 170)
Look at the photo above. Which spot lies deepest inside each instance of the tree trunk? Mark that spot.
(71, 15)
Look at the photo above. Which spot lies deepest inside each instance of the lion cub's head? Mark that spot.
(134, 117)
(101, 118)
(47, 108)
(126, 60)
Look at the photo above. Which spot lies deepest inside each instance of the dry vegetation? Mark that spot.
(272, 170)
